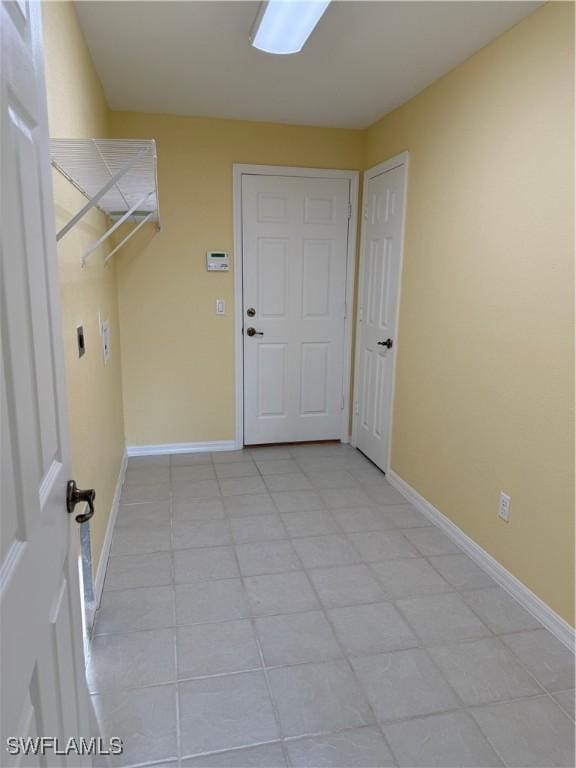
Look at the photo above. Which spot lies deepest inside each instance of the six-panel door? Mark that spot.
(44, 691)
(377, 312)
(294, 240)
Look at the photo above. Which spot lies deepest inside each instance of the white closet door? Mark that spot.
(377, 312)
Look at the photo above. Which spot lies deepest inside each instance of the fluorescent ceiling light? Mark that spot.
(283, 26)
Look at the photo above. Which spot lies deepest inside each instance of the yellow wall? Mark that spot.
(485, 376)
(177, 355)
(77, 108)
(484, 390)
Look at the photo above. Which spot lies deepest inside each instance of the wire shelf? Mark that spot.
(117, 176)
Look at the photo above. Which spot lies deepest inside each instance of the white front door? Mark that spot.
(295, 243)
(380, 270)
(44, 692)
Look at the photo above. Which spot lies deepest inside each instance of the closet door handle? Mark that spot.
(388, 343)
(253, 332)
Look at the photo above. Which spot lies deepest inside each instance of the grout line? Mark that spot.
(338, 532)
(562, 707)
(165, 500)
(300, 737)
(228, 750)
(385, 599)
(489, 740)
(355, 677)
(237, 673)
(175, 632)
(447, 589)
(431, 659)
(171, 762)
(263, 663)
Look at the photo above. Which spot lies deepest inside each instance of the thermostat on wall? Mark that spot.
(217, 261)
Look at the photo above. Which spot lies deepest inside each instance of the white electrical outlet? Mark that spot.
(504, 507)
(220, 307)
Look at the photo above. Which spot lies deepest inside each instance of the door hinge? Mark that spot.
(349, 210)
(360, 314)
(342, 404)
(356, 408)
(366, 212)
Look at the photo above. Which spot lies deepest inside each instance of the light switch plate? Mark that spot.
(220, 307)
(504, 507)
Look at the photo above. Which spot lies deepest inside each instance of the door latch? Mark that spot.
(75, 495)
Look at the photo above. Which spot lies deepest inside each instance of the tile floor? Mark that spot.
(286, 606)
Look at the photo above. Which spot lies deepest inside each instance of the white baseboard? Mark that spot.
(105, 553)
(162, 448)
(531, 602)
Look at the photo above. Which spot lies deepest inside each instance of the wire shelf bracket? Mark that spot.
(117, 176)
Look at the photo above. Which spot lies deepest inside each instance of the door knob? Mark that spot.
(250, 311)
(253, 332)
(388, 343)
(74, 496)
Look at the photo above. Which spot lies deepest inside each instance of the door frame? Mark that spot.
(238, 171)
(397, 161)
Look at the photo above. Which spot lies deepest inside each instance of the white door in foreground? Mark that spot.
(44, 691)
(294, 241)
(377, 312)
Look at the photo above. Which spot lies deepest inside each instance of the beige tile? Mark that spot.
(484, 671)
(404, 684)
(318, 697)
(441, 741)
(296, 638)
(209, 649)
(236, 469)
(225, 712)
(529, 732)
(241, 485)
(145, 720)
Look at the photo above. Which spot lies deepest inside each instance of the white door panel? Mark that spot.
(379, 296)
(44, 692)
(294, 240)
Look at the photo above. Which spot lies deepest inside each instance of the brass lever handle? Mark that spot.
(75, 495)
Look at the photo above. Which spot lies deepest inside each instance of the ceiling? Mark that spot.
(363, 59)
